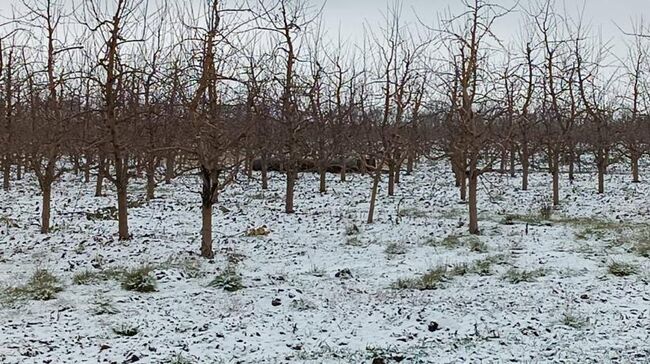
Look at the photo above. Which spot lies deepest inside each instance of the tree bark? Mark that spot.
(555, 170)
(170, 166)
(391, 179)
(6, 173)
(206, 231)
(291, 182)
(122, 212)
(473, 200)
(525, 166)
(46, 208)
(99, 185)
(265, 172)
(373, 196)
(323, 179)
(635, 168)
(151, 180)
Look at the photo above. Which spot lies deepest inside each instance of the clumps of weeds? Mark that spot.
(316, 271)
(394, 249)
(515, 276)
(103, 306)
(430, 280)
(41, 286)
(412, 212)
(546, 211)
(641, 245)
(482, 267)
(476, 245)
(302, 305)
(352, 230)
(258, 231)
(126, 330)
(355, 241)
(103, 213)
(228, 280)
(451, 241)
(190, 267)
(621, 269)
(574, 320)
(140, 279)
(179, 359)
(87, 276)
(134, 204)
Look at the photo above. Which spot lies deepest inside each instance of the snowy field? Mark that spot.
(324, 287)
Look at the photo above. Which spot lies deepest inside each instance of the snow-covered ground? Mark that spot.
(319, 291)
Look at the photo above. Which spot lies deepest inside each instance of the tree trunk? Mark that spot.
(463, 188)
(46, 209)
(513, 160)
(504, 160)
(291, 182)
(88, 162)
(571, 165)
(525, 167)
(391, 179)
(323, 179)
(122, 212)
(265, 172)
(206, 231)
(409, 164)
(344, 168)
(398, 173)
(601, 161)
(635, 168)
(373, 196)
(473, 200)
(99, 185)
(555, 170)
(6, 173)
(151, 180)
(19, 168)
(170, 166)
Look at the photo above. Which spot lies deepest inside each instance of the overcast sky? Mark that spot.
(349, 15)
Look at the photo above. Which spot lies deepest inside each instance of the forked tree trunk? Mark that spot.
(373, 196)
(46, 208)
